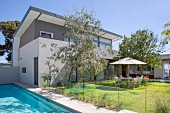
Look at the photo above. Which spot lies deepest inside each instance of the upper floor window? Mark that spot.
(106, 41)
(46, 34)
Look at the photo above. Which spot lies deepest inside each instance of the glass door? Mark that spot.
(166, 70)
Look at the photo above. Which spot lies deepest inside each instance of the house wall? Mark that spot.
(44, 52)
(57, 30)
(33, 31)
(158, 73)
(27, 54)
(28, 35)
(9, 74)
(162, 72)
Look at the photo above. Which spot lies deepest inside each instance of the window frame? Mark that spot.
(46, 33)
(104, 43)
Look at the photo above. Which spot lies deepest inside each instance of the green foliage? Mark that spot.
(69, 85)
(124, 83)
(130, 83)
(142, 45)
(8, 28)
(46, 80)
(111, 83)
(166, 32)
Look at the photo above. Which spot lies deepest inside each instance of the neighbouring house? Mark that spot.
(164, 72)
(40, 27)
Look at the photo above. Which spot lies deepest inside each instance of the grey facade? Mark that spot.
(33, 31)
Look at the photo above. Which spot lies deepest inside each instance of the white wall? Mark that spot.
(15, 52)
(9, 74)
(45, 52)
(27, 54)
(36, 49)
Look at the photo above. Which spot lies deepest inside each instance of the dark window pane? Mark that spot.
(24, 70)
(46, 35)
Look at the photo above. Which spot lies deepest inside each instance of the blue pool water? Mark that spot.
(14, 99)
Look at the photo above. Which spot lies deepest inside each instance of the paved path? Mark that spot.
(69, 102)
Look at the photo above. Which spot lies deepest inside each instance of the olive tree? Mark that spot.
(82, 53)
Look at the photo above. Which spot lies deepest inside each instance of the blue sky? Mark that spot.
(119, 16)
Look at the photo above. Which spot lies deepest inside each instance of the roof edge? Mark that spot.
(54, 15)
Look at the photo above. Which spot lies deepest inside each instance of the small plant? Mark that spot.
(119, 106)
(69, 85)
(46, 80)
(161, 106)
(60, 84)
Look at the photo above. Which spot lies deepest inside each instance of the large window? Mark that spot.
(97, 41)
(69, 39)
(102, 42)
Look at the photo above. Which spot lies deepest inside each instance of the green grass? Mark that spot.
(103, 95)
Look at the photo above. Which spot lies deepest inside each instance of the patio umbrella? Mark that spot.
(129, 61)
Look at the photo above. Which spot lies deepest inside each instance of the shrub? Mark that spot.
(111, 83)
(60, 84)
(131, 83)
(69, 85)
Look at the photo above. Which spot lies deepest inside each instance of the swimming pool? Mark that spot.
(14, 99)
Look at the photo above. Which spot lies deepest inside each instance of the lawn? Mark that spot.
(104, 94)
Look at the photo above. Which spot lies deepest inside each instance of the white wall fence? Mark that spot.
(9, 74)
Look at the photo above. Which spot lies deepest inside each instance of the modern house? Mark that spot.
(40, 27)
